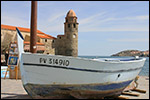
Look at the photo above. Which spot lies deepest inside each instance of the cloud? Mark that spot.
(138, 18)
(52, 20)
(53, 23)
(45, 4)
(92, 18)
(55, 17)
(102, 22)
(129, 40)
(14, 20)
(134, 3)
(95, 23)
(111, 28)
(144, 17)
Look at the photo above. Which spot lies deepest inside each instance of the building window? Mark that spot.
(45, 40)
(53, 41)
(75, 20)
(74, 25)
(71, 19)
(66, 20)
(74, 35)
(59, 37)
(68, 25)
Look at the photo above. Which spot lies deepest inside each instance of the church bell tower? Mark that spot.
(71, 34)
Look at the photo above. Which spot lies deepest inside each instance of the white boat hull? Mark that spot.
(79, 70)
(42, 73)
(54, 76)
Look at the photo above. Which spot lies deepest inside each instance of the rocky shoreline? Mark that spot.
(133, 53)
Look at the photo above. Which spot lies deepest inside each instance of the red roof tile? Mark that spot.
(45, 36)
(20, 28)
(24, 30)
(38, 43)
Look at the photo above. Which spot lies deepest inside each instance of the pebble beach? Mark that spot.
(13, 89)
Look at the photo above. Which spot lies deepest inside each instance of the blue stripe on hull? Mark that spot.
(79, 69)
(109, 86)
(98, 87)
(50, 90)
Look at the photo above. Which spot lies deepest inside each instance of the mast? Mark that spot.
(33, 27)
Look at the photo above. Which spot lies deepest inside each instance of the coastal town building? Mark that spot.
(9, 34)
(66, 44)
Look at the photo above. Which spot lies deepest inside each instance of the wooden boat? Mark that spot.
(55, 76)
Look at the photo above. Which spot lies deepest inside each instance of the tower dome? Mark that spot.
(71, 13)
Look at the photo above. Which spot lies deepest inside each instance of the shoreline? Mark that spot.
(13, 89)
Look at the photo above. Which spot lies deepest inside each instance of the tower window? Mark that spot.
(68, 25)
(66, 20)
(71, 19)
(45, 40)
(74, 35)
(74, 25)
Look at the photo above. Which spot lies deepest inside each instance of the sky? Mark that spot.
(105, 27)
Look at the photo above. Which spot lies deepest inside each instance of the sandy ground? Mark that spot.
(143, 82)
(12, 89)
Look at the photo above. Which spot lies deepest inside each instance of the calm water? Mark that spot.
(144, 71)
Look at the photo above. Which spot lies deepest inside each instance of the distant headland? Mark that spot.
(133, 53)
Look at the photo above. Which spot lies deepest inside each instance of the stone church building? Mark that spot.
(66, 44)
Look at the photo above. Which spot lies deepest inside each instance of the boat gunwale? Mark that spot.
(93, 60)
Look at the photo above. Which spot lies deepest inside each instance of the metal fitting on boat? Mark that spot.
(136, 57)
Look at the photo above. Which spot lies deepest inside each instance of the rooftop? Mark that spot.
(38, 43)
(8, 27)
(71, 13)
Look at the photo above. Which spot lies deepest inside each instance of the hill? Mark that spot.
(133, 53)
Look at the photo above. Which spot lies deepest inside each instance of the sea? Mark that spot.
(143, 72)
